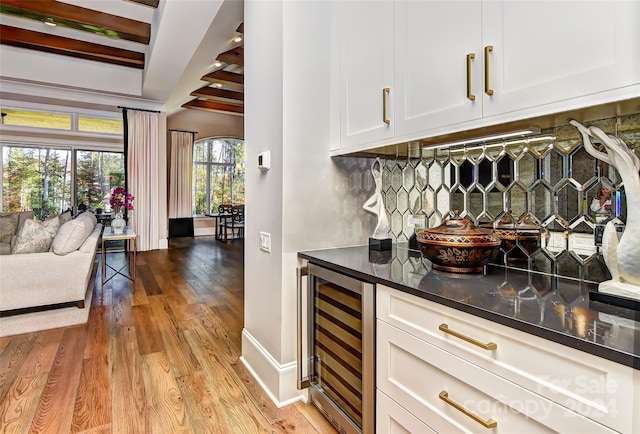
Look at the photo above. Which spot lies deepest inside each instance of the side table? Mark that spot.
(129, 236)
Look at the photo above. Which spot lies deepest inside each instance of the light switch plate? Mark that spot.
(265, 242)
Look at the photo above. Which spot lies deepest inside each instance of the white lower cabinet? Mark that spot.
(393, 419)
(525, 384)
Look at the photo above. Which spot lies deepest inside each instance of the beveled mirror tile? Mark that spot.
(391, 201)
(553, 167)
(568, 200)
(542, 261)
(415, 204)
(396, 223)
(396, 177)
(476, 203)
(583, 166)
(526, 169)
(408, 177)
(568, 264)
(516, 199)
(495, 201)
(403, 201)
(421, 175)
(486, 173)
(428, 200)
(541, 205)
(436, 175)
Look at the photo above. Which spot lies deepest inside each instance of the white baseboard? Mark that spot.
(201, 232)
(163, 243)
(278, 380)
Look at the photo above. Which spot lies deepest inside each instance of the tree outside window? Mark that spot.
(218, 174)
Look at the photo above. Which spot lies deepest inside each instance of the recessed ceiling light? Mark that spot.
(217, 64)
(217, 84)
(49, 22)
(238, 39)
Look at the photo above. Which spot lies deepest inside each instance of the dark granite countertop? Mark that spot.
(567, 311)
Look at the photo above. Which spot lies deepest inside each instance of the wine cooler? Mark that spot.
(336, 320)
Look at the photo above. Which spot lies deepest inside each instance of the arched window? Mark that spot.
(218, 174)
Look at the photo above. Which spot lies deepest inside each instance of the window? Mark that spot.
(36, 119)
(218, 174)
(18, 117)
(36, 179)
(41, 179)
(97, 174)
(99, 125)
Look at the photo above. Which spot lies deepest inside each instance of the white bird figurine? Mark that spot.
(622, 255)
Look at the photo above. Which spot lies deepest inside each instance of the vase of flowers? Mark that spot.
(120, 201)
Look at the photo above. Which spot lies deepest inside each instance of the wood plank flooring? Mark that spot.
(157, 356)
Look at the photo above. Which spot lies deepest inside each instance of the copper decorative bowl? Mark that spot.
(458, 246)
(526, 233)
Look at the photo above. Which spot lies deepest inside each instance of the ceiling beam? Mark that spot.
(69, 47)
(235, 56)
(79, 18)
(232, 80)
(152, 3)
(219, 95)
(240, 28)
(215, 107)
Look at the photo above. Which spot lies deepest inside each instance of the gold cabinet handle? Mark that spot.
(487, 70)
(385, 97)
(489, 346)
(470, 57)
(489, 423)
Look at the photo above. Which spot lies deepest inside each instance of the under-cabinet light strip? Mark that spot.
(515, 133)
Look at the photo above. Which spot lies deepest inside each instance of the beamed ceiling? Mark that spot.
(119, 33)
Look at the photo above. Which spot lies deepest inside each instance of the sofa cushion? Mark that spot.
(8, 226)
(35, 237)
(73, 234)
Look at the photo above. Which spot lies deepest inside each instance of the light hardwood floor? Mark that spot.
(158, 356)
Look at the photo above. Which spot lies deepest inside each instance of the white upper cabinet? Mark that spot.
(551, 51)
(366, 70)
(457, 65)
(437, 55)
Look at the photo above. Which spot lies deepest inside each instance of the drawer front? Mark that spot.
(391, 418)
(450, 394)
(589, 385)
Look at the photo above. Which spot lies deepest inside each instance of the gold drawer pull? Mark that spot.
(487, 69)
(489, 346)
(385, 97)
(489, 423)
(470, 57)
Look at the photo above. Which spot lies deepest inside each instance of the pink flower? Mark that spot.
(121, 199)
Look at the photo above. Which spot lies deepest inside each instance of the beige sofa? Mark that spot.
(43, 279)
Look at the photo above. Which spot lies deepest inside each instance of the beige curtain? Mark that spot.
(180, 188)
(142, 170)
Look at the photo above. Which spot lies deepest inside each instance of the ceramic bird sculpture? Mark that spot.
(622, 256)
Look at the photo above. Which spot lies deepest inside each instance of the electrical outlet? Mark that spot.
(265, 242)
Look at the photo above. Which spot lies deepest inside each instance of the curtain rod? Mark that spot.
(138, 109)
(183, 131)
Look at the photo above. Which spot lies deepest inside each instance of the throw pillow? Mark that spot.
(8, 226)
(35, 237)
(72, 234)
(64, 217)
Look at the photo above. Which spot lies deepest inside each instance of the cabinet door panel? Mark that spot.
(551, 51)
(432, 41)
(366, 68)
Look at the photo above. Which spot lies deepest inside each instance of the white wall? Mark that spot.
(307, 200)
(207, 124)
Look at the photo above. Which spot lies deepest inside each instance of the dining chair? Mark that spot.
(235, 223)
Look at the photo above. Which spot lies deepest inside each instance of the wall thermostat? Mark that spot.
(264, 160)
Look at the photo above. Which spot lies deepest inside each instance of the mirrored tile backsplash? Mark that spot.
(547, 179)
